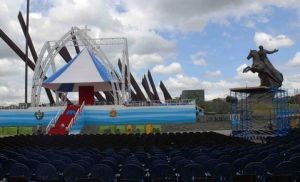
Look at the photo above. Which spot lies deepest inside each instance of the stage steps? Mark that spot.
(64, 120)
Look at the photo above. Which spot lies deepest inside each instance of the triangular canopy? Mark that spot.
(83, 70)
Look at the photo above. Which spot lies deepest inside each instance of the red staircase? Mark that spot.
(64, 120)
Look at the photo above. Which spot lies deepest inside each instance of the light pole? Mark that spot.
(26, 53)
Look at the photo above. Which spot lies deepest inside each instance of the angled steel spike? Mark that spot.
(16, 49)
(134, 97)
(28, 37)
(155, 94)
(165, 91)
(147, 88)
(137, 89)
(75, 44)
(65, 54)
(109, 96)
(99, 97)
(139, 94)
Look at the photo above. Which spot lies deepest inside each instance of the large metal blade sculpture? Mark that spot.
(166, 93)
(139, 94)
(28, 37)
(75, 44)
(147, 88)
(99, 97)
(64, 53)
(109, 97)
(155, 94)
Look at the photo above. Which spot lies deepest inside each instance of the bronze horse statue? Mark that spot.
(268, 75)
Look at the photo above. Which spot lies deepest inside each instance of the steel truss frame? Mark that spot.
(51, 48)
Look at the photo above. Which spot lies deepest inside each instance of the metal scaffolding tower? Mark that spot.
(244, 99)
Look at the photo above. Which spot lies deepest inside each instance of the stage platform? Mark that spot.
(260, 89)
(101, 115)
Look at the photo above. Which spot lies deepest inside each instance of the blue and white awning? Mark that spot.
(83, 70)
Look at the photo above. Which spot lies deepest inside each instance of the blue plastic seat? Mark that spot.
(19, 170)
(90, 160)
(223, 172)
(59, 165)
(102, 172)
(33, 164)
(3, 158)
(110, 163)
(211, 164)
(286, 168)
(21, 159)
(270, 163)
(73, 173)
(157, 162)
(85, 164)
(180, 164)
(226, 158)
(201, 158)
(258, 169)
(296, 161)
(132, 172)
(7, 165)
(163, 172)
(191, 171)
(46, 172)
(239, 164)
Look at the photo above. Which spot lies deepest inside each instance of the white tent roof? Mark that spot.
(84, 70)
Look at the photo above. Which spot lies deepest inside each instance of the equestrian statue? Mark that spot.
(268, 75)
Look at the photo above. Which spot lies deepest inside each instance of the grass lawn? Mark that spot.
(16, 130)
(119, 129)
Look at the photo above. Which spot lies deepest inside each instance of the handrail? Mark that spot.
(75, 117)
(54, 120)
(13, 107)
(154, 102)
(162, 103)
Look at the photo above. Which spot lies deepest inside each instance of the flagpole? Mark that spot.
(26, 53)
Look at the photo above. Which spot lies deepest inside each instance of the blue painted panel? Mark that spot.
(154, 115)
(21, 118)
(142, 116)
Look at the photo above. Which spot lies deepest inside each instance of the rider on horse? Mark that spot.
(263, 53)
(269, 76)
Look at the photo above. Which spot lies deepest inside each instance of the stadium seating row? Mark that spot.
(162, 157)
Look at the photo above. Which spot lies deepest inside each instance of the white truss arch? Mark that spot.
(120, 88)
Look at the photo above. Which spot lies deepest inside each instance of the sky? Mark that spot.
(188, 44)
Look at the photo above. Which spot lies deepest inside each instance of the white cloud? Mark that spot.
(197, 58)
(200, 62)
(173, 68)
(145, 60)
(9, 67)
(146, 47)
(212, 89)
(216, 73)
(179, 82)
(193, 15)
(291, 82)
(295, 61)
(246, 78)
(12, 81)
(272, 42)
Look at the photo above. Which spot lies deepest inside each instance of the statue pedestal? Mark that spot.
(260, 89)
(259, 94)
(257, 107)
